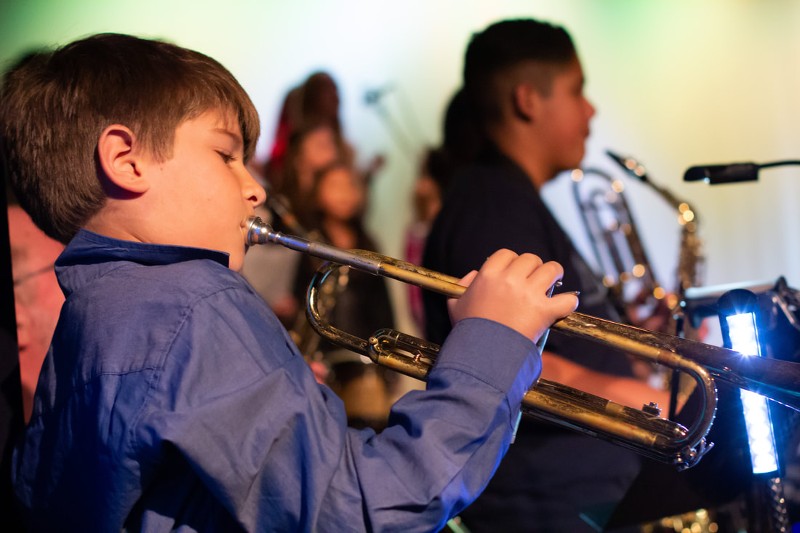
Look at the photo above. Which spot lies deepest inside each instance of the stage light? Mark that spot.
(738, 318)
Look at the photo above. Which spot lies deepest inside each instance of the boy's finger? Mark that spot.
(565, 303)
(467, 280)
(499, 260)
(550, 273)
(525, 265)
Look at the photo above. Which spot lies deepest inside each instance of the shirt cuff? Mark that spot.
(493, 353)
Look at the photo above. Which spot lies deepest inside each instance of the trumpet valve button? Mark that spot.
(652, 408)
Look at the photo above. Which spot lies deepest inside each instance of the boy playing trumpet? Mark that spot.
(171, 396)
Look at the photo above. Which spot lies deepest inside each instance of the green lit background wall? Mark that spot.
(676, 83)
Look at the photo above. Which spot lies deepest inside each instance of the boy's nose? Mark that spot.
(253, 191)
(591, 111)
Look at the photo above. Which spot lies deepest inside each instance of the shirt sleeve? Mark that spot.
(240, 404)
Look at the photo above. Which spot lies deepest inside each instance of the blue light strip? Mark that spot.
(763, 454)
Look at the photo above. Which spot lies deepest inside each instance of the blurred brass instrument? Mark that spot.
(691, 261)
(615, 240)
(640, 430)
(303, 335)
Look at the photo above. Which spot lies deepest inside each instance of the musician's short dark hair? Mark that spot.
(56, 104)
(513, 49)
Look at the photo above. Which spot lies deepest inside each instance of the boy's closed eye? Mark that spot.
(226, 157)
(230, 145)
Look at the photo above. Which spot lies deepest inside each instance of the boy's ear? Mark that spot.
(119, 156)
(525, 99)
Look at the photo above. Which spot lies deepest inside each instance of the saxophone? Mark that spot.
(691, 262)
(627, 273)
(689, 272)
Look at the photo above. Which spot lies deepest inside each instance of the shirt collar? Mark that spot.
(491, 154)
(97, 254)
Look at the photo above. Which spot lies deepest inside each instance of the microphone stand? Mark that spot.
(731, 173)
(375, 98)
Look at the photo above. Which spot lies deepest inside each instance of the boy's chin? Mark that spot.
(236, 260)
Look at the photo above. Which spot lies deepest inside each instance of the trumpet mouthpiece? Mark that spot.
(258, 231)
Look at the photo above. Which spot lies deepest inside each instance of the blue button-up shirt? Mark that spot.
(172, 398)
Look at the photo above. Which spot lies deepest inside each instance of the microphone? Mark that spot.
(730, 173)
(373, 96)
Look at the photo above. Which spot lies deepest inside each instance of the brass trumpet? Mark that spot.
(640, 430)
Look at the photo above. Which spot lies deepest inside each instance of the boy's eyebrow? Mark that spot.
(237, 138)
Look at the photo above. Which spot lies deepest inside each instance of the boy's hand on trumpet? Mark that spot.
(513, 290)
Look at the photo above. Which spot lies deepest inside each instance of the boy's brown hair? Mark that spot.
(56, 104)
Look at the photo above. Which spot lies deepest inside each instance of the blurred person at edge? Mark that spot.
(37, 296)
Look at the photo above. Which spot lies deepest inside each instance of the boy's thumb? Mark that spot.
(467, 280)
